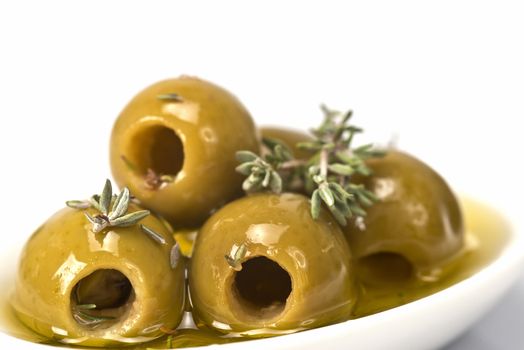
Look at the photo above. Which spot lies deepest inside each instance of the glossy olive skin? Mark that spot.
(64, 251)
(417, 216)
(193, 138)
(314, 253)
(290, 137)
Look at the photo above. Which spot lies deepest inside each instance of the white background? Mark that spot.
(446, 76)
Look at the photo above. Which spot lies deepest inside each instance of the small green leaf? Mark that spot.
(282, 153)
(340, 190)
(267, 178)
(245, 168)
(94, 200)
(363, 170)
(276, 182)
(236, 256)
(98, 222)
(169, 342)
(369, 151)
(247, 185)
(354, 129)
(121, 204)
(90, 218)
(84, 318)
(342, 207)
(155, 236)
(174, 255)
(128, 163)
(357, 210)
(171, 97)
(370, 195)
(364, 199)
(338, 216)
(347, 117)
(363, 149)
(105, 197)
(130, 219)
(318, 179)
(326, 195)
(341, 169)
(313, 170)
(245, 156)
(310, 146)
(78, 204)
(280, 149)
(241, 251)
(252, 182)
(315, 204)
(344, 157)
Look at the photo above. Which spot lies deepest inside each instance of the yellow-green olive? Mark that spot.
(174, 146)
(261, 265)
(113, 287)
(290, 137)
(414, 228)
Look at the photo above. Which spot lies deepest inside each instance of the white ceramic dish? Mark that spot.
(428, 323)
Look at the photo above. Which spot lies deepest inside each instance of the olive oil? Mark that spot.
(488, 233)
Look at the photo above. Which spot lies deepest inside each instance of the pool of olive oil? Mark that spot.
(488, 233)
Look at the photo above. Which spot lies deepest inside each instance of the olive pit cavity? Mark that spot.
(107, 289)
(261, 288)
(160, 150)
(384, 268)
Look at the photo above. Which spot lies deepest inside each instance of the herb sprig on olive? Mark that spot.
(325, 175)
(81, 315)
(112, 210)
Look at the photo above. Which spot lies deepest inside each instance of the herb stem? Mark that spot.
(324, 162)
(291, 164)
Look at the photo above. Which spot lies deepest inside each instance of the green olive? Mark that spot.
(174, 146)
(414, 228)
(290, 138)
(98, 289)
(284, 271)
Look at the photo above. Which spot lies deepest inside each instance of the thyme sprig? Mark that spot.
(154, 181)
(235, 257)
(170, 97)
(326, 175)
(81, 315)
(261, 174)
(113, 212)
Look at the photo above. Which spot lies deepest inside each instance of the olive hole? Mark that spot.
(102, 298)
(384, 268)
(261, 288)
(159, 149)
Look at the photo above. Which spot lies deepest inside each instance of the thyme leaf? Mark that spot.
(155, 236)
(174, 255)
(129, 219)
(170, 97)
(82, 316)
(235, 257)
(154, 181)
(105, 197)
(78, 204)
